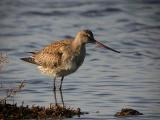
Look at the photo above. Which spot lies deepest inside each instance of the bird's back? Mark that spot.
(56, 46)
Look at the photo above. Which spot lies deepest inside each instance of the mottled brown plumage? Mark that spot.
(64, 57)
(59, 59)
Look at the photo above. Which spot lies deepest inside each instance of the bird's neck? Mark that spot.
(77, 44)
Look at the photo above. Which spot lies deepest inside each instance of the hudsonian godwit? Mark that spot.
(62, 58)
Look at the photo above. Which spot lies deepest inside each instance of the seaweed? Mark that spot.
(8, 111)
(125, 112)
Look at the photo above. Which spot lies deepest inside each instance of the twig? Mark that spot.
(12, 92)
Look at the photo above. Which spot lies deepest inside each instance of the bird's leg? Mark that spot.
(55, 97)
(54, 91)
(54, 84)
(60, 88)
(62, 98)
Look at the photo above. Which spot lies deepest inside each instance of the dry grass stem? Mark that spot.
(12, 92)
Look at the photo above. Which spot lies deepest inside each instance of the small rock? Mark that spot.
(127, 112)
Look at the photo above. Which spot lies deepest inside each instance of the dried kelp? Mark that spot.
(9, 111)
(127, 112)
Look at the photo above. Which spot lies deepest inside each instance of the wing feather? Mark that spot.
(51, 56)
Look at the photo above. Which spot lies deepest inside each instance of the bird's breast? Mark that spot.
(76, 59)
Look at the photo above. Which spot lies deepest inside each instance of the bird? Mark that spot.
(64, 57)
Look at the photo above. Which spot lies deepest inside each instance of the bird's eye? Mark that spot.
(88, 36)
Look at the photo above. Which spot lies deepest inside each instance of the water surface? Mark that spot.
(107, 81)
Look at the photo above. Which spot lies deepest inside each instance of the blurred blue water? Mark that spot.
(107, 81)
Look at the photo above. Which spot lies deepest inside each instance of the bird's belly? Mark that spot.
(59, 71)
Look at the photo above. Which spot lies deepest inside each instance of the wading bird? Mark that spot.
(64, 57)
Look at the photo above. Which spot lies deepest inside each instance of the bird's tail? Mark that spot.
(29, 59)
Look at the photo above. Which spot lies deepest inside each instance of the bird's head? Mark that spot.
(86, 36)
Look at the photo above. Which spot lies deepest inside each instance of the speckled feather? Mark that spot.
(58, 58)
(63, 57)
(51, 56)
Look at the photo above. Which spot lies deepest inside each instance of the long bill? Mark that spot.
(104, 46)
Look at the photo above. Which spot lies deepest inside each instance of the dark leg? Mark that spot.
(55, 97)
(62, 98)
(54, 84)
(54, 90)
(60, 88)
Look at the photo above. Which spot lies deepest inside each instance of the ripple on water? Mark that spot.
(44, 14)
(106, 81)
(135, 26)
(100, 12)
(14, 34)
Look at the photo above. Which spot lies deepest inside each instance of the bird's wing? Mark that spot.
(51, 56)
(48, 60)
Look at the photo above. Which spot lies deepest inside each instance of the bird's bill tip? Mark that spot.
(105, 46)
